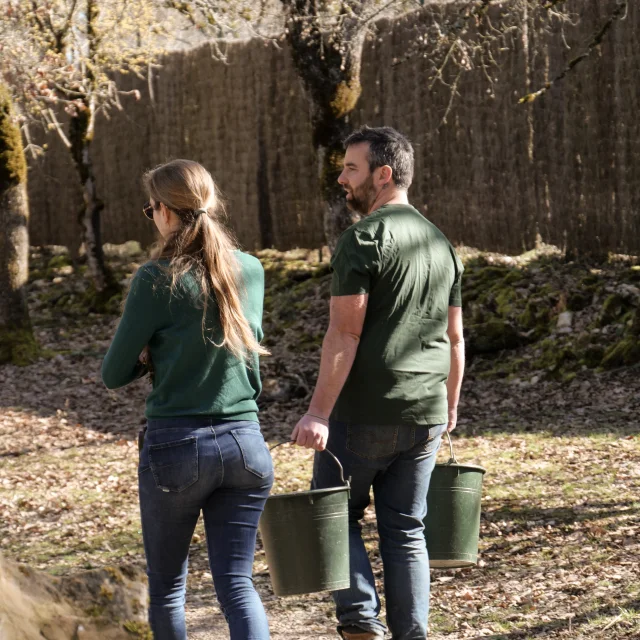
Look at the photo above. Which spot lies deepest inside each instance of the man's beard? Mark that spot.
(362, 197)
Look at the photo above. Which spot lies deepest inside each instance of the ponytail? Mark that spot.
(203, 247)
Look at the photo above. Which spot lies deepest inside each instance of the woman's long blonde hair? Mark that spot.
(202, 246)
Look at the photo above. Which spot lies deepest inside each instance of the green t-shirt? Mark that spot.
(192, 376)
(412, 275)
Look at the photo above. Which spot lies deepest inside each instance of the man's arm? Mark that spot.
(339, 348)
(454, 382)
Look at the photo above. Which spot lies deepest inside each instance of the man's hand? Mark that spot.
(453, 419)
(311, 433)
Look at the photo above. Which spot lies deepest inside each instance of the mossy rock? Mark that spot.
(37, 274)
(18, 346)
(613, 308)
(554, 356)
(579, 300)
(139, 630)
(59, 261)
(633, 274)
(624, 353)
(591, 280)
(513, 277)
(299, 275)
(592, 355)
(107, 301)
(494, 335)
(536, 317)
(634, 323)
(505, 301)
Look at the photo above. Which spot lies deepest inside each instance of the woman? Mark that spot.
(194, 316)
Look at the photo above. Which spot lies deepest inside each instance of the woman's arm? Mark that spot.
(139, 321)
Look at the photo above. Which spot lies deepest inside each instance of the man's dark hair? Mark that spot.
(387, 146)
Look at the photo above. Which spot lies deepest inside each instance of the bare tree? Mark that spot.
(62, 60)
(326, 39)
(17, 343)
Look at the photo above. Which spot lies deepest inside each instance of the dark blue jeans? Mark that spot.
(397, 462)
(224, 470)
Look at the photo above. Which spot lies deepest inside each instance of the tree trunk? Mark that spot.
(337, 217)
(105, 285)
(328, 65)
(17, 344)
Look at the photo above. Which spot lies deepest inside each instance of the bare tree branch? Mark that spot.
(597, 39)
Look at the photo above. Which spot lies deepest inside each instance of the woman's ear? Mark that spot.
(165, 213)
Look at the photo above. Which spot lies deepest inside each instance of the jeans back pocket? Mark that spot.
(174, 464)
(255, 454)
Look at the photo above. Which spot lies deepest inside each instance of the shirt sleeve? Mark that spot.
(455, 297)
(143, 310)
(355, 262)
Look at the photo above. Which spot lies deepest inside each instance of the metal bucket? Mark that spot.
(452, 524)
(306, 539)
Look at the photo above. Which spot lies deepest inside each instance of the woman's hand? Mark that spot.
(145, 358)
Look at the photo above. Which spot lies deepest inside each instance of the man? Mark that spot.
(389, 382)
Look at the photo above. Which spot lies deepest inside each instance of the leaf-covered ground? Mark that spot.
(558, 435)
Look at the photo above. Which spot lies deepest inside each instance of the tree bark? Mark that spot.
(328, 65)
(104, 282)
(17, 344)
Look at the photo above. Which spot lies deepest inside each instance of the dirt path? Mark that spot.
(561, 512)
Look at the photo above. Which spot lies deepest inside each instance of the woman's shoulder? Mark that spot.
(250, 264)
(151, 271)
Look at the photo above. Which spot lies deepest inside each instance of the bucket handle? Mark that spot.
(452, 458)
(346, 483)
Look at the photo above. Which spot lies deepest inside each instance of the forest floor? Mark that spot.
(549, 407)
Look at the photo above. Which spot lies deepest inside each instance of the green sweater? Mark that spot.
(192, 376)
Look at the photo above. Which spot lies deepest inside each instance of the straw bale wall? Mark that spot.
(493, 175)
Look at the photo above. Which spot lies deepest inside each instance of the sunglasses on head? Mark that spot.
(147, 209)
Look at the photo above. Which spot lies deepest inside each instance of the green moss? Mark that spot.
(494, 335)
(345, 98)
(107, 301)
(623, 353)
(579, 300)
(556, 358)
(505, 301)
(18, 346)
(136, 606)
(115, 574)
(95, 611)
(614, 307)
(13, 166)
(536, 317)
(590, 280)
(634, 323)
(513, 277)
(59, 261)
(140, 630)
(106, 592)
(592, 355)
(36, 274)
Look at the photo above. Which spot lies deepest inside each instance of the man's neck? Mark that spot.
(389, 196)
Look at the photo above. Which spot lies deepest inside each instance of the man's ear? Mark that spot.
(385, 175)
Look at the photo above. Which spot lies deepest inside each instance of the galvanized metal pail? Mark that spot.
(306, 539)
(452, 525)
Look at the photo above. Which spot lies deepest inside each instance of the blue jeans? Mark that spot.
(397, 462)
(224, 469)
